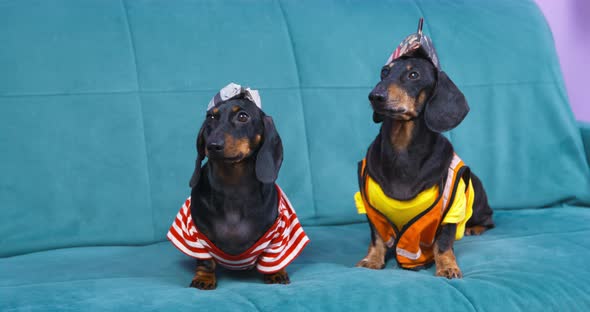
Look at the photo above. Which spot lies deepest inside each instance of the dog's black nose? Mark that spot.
(377, 97)
(215, 146)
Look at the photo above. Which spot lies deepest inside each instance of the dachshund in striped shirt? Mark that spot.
(237, 217)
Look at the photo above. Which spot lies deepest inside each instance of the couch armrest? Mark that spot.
(585, 131)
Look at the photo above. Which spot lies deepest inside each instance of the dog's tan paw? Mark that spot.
(475, 230)
(204, 281)
(371, 264)
(449, 272)
(281, 277)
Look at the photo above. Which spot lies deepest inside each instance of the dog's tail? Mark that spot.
(482, 212)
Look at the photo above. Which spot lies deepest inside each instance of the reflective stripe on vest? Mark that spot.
(450, 179)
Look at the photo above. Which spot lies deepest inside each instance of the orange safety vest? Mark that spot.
(414, 242)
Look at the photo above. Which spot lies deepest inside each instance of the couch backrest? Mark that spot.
(100, 102)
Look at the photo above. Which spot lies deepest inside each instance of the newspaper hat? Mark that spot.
(416, 44)
(231, 91)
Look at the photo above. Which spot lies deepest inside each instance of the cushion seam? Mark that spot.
(142, 119)
(305, 124)
(209, 90)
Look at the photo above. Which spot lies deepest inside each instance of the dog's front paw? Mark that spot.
(450, 272)
(204, 281)
(281, 277)
(369, 263)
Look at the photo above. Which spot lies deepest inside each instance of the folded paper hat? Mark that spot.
(233, 90)
(416, 44)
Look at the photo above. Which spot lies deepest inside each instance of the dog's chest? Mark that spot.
(400, 212)
(234, 228)
(234, 233)
(233, 224)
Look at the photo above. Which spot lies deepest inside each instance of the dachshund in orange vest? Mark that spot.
(417, 193)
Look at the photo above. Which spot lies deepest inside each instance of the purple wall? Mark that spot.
(570, 23)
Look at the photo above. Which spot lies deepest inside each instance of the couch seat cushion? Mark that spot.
(534, 260)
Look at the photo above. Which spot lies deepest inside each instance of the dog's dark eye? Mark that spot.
(384, 72)
(243, 117)
(211, 116)
(413, 75)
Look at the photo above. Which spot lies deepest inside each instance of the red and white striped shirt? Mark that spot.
(280, 245)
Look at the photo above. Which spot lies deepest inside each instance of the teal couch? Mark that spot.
(100, 102)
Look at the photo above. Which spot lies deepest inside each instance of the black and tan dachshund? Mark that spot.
(233, 204)
(415, 103)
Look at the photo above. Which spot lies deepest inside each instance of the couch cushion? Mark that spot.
(74, 172)
(203, 45)
(64, 47)
(73, 161)
(535, 260)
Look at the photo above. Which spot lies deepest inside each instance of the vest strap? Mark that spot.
(455, 162)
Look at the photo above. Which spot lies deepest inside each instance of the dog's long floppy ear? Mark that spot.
(447, 107)
(270, 154)
(200, 156)
(377, 118)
